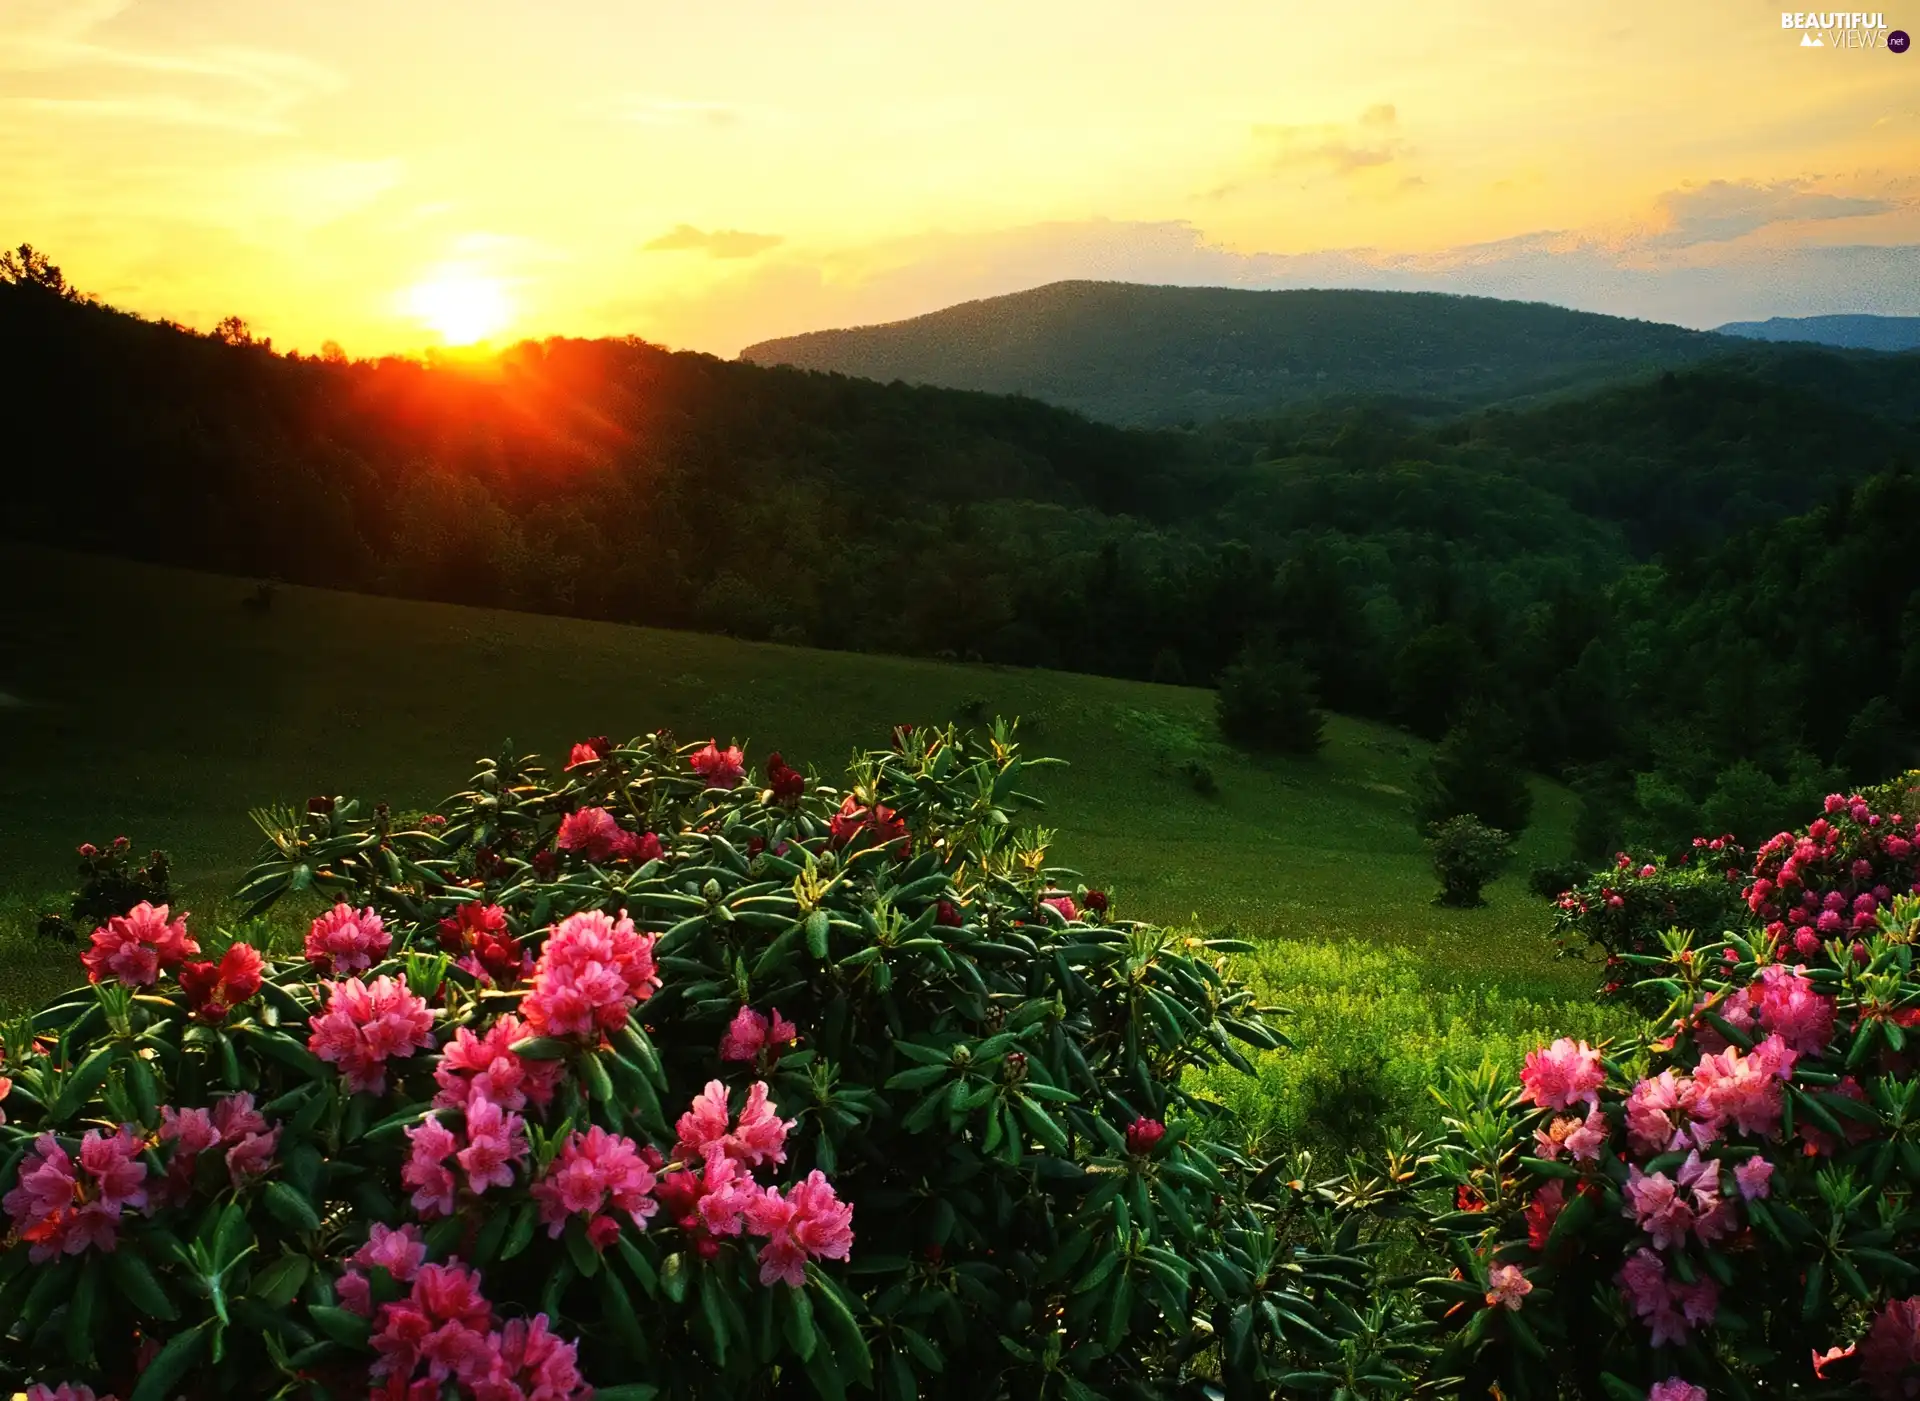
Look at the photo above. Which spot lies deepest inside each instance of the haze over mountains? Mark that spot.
(1892, 333)
(1141, 355)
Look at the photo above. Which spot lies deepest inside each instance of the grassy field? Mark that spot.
(150, 702)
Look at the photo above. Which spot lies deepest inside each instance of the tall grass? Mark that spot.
(1372, 1033)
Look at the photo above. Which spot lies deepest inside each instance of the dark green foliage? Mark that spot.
(1621, 911)
(1467, 854)
(1474, 771)
(1551, 882)
(1266, 701)
(1200, 778)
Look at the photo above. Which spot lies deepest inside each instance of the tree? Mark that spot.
(27, 266)
(1466, 855)
(1474, 770)
(1266, 701)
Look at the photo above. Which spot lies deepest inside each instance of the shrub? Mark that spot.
(1551, 882)
(110, 884)
(937, 1134)
(1725, 1201)
(1266, 701)
(1625, 910)
(1475, 772)
(1466, 855)
(1200, 778)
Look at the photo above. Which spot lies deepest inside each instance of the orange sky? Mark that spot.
(389, 175)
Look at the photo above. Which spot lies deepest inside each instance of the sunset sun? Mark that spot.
(460, 307)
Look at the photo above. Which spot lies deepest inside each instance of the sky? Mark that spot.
(395, 174)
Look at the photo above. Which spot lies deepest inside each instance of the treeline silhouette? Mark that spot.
(1684, 594)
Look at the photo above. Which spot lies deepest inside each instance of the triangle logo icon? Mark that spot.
(1808, 41)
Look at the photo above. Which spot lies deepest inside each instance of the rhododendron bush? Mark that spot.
(1725, 1208)
(667, 1073)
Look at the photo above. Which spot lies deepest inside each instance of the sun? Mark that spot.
(460, 307)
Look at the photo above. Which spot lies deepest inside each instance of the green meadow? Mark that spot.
(154, 703)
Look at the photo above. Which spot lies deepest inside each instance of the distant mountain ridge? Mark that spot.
(1145, 355)
(1849, 332)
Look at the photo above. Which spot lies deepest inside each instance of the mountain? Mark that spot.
(1848, 332)
(1143, 355)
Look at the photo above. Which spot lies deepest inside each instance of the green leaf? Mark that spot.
(599, 1084)
(796, 1320)
(79, 1327)
(170, 1364)
(673, 1276)
(342, 1325)
(142, 1290)
(835, 1316)
(817, 934)
(279, 1283)
(293, 1209)
(541, 1048)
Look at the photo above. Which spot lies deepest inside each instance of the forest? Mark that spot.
(1677, 592)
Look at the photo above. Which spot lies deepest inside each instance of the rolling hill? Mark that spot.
(1142, 355)
(148, 701)
(1892, 333)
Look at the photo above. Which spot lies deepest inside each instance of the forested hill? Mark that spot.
(1127, 353)
(1415, 569)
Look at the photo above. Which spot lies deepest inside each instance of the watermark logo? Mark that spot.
(1840, 29)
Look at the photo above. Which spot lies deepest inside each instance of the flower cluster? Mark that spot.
(1829, 882)
(1622, 912)
(717, 767)
(233, 1128)
(214, 989)
(485, 1067)
(884, 825)
(592, 971)
(60, 1207)
(478, 937)
(365, 1026)
(345, 940)
(751, 1035)
(711, 1192)
(445, 1330)
(136, 947)
(786, 782)
(598, 1173)
(490, 1142)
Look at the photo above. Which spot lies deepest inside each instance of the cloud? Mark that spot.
(719, 243)
(1722, 210)
(1340, 150)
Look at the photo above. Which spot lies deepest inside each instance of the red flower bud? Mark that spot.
(1144, 1135)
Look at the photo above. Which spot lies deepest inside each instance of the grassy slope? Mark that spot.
(157, 706)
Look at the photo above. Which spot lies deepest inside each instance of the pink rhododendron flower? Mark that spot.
(1669, 1308)
(496, 1139)
(63, 1208)
(1544, 1210)
(133, 948)
(1144, 1135)
(590, 751)
(480, 941)
(596, 1173)
(853, 818)
(750, 1033)
(1754, 1178)
(1507, 1286)
(1787, 1005)
(808, 1221)
(1676, 1389)
(1658, 1207)
(1746, 1091)
(345, 941)
(364, 1027)
(66, 1391)
(1890, 1352)
(445, 1324)
(590, 832)
(527, 1362)
(1563, 1074)
(1063, 905)
(759, 1134)
(399, 1251)
(426, 1171)
(1581, 1139)
(485, 1067)
(213, 989)
(704, 1126)
(717, 767)
(591, 972)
